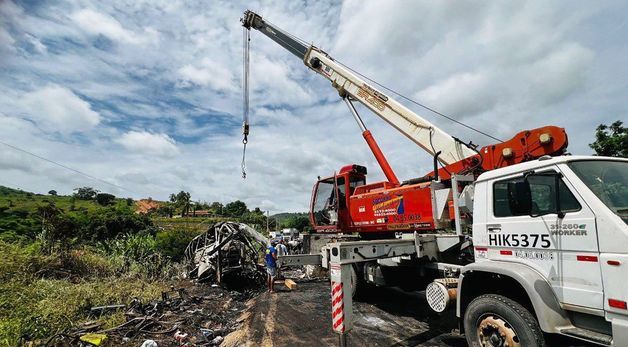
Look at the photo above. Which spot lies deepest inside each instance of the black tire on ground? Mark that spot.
(498, 314)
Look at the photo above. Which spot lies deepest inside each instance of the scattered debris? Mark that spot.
(189, 315)
(227, 253)
(180, 337)
(290, 284)
(99, 310)
(94, 339)
(149, 343)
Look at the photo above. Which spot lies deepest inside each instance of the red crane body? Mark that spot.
(389, 206)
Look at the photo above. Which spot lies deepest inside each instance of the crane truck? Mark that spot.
(517, 238)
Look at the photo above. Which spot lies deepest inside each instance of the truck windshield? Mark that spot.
(608, 180)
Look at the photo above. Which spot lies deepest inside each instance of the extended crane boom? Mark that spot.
(346, 203)
(350, 85)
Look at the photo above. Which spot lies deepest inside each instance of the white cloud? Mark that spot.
(210, 74)
(6, 40)
(99, 23)
(160, 145)
(499, 66)
(56, 108)
(462, 93)
(36, 44)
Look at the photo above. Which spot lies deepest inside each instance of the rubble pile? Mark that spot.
(227, 253)
(195, 316)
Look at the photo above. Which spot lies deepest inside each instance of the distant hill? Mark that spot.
(17, 199)
(6, 191)
(284, 216)
(18, 210)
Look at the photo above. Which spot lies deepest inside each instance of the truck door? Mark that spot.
(541, 221)
(604, 183)
(324, 206)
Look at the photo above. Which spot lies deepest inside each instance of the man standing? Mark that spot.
(271, 265)
(281, 248)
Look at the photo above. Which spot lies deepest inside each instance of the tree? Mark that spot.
(611, 141)
(235, 209)
(85, 193)
(105, 199)
(182, 201)
(55, 227)
(52, 192)
(129, 201)
(196, 205)
(299, 222)
(216, 208)
(165, 210)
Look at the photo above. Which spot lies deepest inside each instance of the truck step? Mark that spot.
(588, 335)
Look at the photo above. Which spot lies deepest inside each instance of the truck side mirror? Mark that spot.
(520, 198)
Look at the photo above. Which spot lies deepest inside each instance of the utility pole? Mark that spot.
(267, 222)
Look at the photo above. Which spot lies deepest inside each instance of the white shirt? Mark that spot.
(282, 249)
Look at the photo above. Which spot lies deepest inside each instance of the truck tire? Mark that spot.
(355, 282)
(494, 320)
(359, 287)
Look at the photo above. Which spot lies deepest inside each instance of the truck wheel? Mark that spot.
(496, 321)
(355, 282)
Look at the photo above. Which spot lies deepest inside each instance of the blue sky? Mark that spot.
(147, 94)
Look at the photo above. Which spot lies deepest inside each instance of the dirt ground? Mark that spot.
(387, 317)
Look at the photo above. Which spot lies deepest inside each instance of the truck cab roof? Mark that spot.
(539, 163)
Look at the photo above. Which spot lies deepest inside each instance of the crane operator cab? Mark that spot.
(330, 198)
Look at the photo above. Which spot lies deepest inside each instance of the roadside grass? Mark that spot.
(45, 294)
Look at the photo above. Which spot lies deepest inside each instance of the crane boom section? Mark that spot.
(416, 128)
(422, 132)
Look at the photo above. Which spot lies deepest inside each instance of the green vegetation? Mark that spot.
(43, 294)
(611, 141)
(62, 255)
(19, 216)
(299, 221)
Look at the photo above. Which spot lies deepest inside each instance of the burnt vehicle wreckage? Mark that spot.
(227, 253)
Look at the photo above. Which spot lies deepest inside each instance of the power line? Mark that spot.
(66, 167)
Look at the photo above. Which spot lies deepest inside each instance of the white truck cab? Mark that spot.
(550, 240)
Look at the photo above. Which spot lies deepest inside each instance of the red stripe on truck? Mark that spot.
(591, 258)
(617, 303)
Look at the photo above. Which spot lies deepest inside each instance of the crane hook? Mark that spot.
(245, 102)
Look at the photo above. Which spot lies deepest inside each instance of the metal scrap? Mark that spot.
(200, 315)
(226, 249)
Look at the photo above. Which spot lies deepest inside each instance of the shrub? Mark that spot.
(105, 199)
(113, 222)
(172, 243)
(133, 246)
